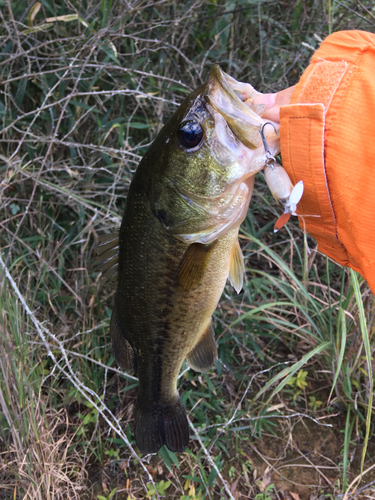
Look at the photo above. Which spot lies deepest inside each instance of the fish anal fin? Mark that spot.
(203, 356)
(122, 350)
(107, 255)
(193, 266)
(237, 267)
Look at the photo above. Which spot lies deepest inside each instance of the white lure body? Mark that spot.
(278, 182)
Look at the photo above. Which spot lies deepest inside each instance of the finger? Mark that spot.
(283, 97)
(274, 102)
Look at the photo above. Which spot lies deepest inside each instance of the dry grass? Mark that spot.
(84, 88)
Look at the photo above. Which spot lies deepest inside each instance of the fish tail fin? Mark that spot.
(159, 424)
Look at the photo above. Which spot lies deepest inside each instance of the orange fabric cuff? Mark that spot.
(304, 159)
(326, 141)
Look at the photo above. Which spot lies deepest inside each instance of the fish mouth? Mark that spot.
(234, 101)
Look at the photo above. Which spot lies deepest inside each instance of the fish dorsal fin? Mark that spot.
(237, 267)
(107, 255)
(122, 350)
(193, 266)
(203, 356)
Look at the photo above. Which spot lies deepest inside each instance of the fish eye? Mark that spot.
(190, 135)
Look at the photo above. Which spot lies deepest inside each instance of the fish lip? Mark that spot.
(219, 75)
(226, 96)
(229, 84)
(238, 116)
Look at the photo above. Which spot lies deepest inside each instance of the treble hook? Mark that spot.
(270, 158)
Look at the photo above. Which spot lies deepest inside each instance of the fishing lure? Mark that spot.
(280, 185)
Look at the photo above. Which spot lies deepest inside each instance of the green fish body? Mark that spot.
(177, 245)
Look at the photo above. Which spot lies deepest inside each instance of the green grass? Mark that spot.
(84, 88)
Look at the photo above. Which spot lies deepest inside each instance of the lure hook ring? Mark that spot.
(270, 160)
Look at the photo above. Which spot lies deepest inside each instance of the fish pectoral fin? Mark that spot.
(193, 266)
(203, 356)
(237, 267)
(107, 255)
(122, 350)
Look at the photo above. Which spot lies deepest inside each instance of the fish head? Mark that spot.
(201, 166)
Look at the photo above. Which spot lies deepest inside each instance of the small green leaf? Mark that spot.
(174, 458)
(36, 29)
(21, 91)
(211, 478)
(162, 486)
(163, 453)
(14, 208)
(87, 419)
(83, 105)
(151, 490)
(139, 125)
(112, 493)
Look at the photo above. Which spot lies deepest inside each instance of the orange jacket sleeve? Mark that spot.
(328, 141)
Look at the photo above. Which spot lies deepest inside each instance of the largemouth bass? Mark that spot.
(178, 244)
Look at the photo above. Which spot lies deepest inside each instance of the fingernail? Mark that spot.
(268, 99)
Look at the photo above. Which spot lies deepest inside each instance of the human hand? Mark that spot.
(274, 102)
